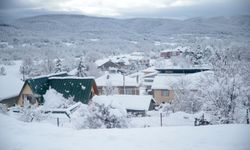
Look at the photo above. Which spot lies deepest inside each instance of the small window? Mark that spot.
(30, 98)
(129, 91)
(165, 93)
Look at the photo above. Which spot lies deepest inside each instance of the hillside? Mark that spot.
(83, 33)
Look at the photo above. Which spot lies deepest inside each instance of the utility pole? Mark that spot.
(247, 117)
(23, 73)
(161, 119)
(123, 84)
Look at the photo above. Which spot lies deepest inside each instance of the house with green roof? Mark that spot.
(81, 89)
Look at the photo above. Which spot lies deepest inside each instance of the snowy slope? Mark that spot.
(102, 34)
(40, 136)
(11, 83)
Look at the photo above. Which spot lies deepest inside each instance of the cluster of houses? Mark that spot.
(138, 92)
(124, 62)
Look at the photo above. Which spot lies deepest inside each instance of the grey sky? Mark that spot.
(127, 8)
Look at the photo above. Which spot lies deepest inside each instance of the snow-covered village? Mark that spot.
(107, 75)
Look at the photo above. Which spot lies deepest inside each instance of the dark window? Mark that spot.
(165, 93)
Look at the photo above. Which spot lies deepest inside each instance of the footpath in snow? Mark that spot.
(17, 135)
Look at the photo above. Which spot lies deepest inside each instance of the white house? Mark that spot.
(116, 83)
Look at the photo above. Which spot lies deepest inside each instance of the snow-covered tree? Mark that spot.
(92, 69)
(226, 92)
(185, 97)
(26, 67)
(31, 113)
(58, 67)
(108, 116)
(108, 89)
(81, 69)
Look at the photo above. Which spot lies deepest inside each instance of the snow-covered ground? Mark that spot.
(11, 83)
(17, 135)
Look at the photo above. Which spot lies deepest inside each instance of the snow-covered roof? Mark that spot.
(171, 81)
(134, 75)
(177, 49)
(149, 69)
(100, 62)
(73, 72)
(7, 97)
(11, 83)
(115, 80)
(170, 50)
(72, 77)
(125, 58)
(134, 102)
(49, 75)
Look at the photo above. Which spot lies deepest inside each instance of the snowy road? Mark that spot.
(16, 135)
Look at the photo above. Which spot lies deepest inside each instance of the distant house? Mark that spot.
(79, 88)
(165, 82)
(108, 64)
(145, 78)
(134, 104)
(123, 62)
(168, 53)
(116, 83)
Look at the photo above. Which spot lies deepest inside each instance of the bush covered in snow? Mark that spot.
(31, 113)
(100, 116)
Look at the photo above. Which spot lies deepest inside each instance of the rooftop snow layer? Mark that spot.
(170, 81)
(115, 80)
(134, 102)
(72, 77)
(11, 83)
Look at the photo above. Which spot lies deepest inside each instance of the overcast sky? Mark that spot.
(180, 9)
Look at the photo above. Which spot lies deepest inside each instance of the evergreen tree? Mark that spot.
(81, 69)
(58, 65)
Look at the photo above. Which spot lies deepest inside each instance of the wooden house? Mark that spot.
(80, 88)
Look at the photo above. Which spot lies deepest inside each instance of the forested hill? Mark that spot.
(79, 32)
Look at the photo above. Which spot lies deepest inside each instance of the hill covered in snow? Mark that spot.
(83, 33)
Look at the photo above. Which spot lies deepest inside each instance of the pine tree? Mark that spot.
(81, 69)
(58, 65)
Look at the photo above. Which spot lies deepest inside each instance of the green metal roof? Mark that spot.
(77, 88)
(39, 85)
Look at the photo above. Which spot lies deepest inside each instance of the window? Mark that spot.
(165, 93)
(30, 98)
(129, 91)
